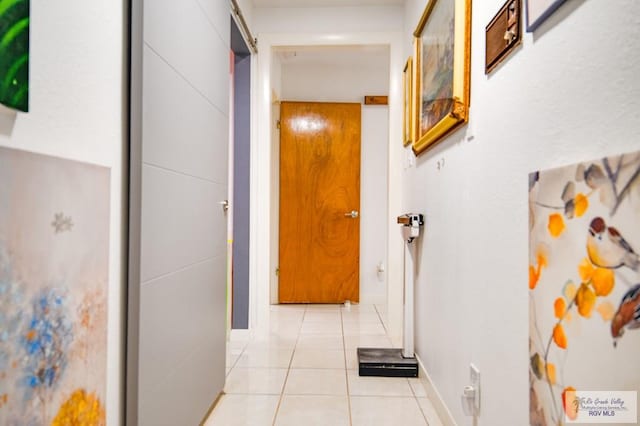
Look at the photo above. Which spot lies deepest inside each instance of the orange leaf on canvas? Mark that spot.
(534, 276)
(559, 307)
(585, 269)
(559, 337)
(551, 373)
(586, 300)
(570, 402)
(556, 225)
(603, 281)
(606, 311)
(581, 203)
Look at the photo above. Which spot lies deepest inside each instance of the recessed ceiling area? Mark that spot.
(325, 3)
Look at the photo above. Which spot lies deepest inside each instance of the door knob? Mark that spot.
(352, 214)
(225, 205)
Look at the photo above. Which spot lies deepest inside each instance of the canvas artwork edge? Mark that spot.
(583, 279)
(54, 273)
(14, 55)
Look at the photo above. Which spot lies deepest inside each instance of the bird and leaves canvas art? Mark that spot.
(584, 283)
(54, 261)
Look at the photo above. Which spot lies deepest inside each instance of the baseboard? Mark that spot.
(211, 408)
(240, 334)
(434, 396)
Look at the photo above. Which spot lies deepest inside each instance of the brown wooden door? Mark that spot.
(319, 188)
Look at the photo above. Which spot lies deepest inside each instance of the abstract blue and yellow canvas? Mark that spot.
(54, 262)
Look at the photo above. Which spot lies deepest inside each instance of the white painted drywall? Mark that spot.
(374, 207)
(340, 81)
(77, 95)
(276, 97)
(570, 93)
(326, 20)
(337, 78)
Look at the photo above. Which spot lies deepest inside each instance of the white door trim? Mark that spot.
(261, 277)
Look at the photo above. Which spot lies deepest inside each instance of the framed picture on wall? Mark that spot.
(14, 54)
(407, 116)
(442, 70)
(539, 10)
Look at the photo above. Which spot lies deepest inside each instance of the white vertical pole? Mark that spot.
(407, 338)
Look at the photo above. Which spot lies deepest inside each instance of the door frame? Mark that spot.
(264, 162)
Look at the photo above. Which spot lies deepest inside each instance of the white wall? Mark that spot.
(76, 112)
(326, 20)
(344, 80)
(346, 75)
(374, 207)
(276, 96)
(569, 94)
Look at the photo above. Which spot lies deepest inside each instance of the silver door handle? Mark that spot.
(353, 214)
(225, 205)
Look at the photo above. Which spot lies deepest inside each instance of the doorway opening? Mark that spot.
(341, 74)
(240, 176)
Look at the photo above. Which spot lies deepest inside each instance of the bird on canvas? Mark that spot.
(628, 314)
(608, 249)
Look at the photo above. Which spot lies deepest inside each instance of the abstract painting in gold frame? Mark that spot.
(407, 116)
(442, 50)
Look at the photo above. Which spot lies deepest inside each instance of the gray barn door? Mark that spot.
(177, 277)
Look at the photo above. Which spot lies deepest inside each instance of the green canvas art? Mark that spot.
(14, 54)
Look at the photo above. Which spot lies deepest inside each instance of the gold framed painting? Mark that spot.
(442, 50)
(407, 116)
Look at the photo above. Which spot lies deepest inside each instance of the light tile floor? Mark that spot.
(305, 373)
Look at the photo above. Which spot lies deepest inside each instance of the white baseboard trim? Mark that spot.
(240, 334)
(434, 396)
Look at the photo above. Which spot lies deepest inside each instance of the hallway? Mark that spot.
(305, 373)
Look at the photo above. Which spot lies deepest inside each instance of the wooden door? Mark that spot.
(319, 202)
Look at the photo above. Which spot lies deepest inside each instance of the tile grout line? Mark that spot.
(286, 377)
(419, 405)
(386, 332)
(235, 363)
(279, 397)
(346, 370)
(415, 397)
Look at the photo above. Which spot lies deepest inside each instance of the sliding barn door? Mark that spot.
(178, 249)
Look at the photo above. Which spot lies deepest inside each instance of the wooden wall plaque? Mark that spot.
(376, 100)
(503, 34)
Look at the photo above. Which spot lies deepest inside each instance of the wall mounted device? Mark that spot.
(503, 35)
(391, 362)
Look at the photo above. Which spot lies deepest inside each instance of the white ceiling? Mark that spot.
(324, 3)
